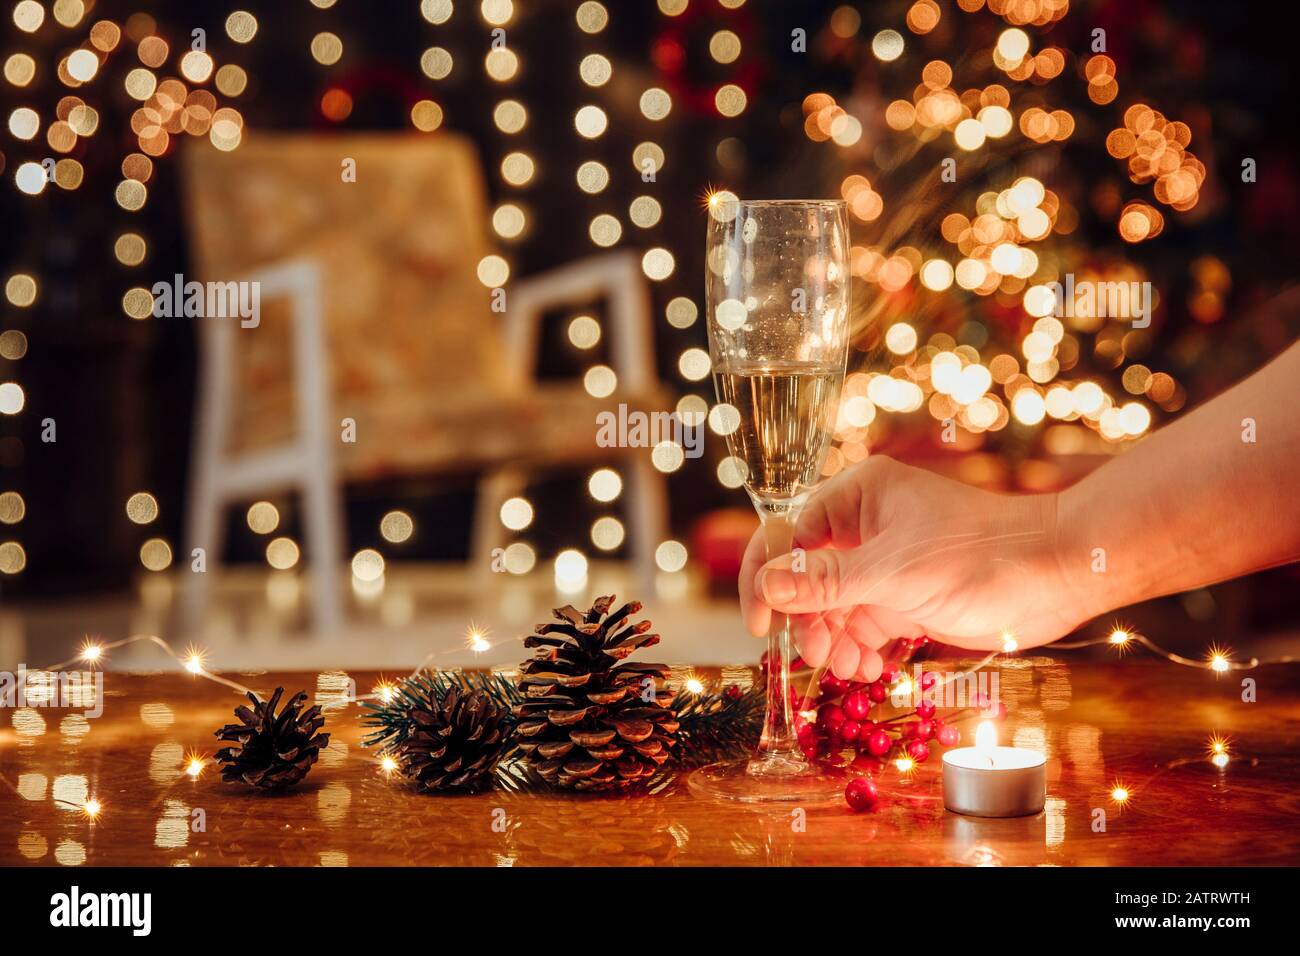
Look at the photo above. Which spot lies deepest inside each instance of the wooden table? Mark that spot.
(1140, 722)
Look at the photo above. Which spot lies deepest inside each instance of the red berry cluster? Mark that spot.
(844, 733)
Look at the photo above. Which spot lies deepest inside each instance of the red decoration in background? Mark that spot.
(668, 53)
(718, 543)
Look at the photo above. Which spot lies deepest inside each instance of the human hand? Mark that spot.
(893, 551)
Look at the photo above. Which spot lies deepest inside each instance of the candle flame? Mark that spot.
(986, 738)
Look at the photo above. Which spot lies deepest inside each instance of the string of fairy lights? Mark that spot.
(193, 661)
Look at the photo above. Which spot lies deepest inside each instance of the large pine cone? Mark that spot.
(272, 750)
(588, 721)
(454, 743)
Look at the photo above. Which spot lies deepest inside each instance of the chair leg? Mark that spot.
(647, 498)
(495, 487)
(204, 529)
(323, 530)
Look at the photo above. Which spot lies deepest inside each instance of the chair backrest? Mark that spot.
(398, 247)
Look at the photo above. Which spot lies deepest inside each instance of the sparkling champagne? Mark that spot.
(786, 418)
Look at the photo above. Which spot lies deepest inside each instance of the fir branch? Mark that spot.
(717, 726)
(391, 720)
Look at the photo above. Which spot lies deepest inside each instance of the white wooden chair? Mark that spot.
(269, 213)
(219, 478)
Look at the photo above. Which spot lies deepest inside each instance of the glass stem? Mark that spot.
(779, 743)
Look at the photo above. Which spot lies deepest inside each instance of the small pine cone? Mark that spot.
(455, 743)
(589, 722)
(272, 751)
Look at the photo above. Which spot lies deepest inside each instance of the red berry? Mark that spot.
(888, 673)
(861, 794)
(832, 685)
(865, 763)
(865, 729)
(856, 705)
(949, 736)
(877, 692)
(830, 713)
(924, 730)
(918, 750)
(849, 731)
(879, 743)
(732, 692)
(925, 708)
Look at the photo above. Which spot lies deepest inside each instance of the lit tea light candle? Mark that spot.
(991, 781)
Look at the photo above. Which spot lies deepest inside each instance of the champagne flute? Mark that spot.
(777, 295)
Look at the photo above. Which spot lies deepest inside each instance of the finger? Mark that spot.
(870, 664)
(845, 656)
(821, 584)
(756, 614)
(862, 625)
(813, 639)
(895, 624)
(832, 514)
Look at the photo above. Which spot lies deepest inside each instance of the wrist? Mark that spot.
(1082, 562)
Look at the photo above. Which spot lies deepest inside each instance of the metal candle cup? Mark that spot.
(991, 781)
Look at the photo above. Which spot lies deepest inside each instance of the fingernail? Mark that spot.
(778, 586)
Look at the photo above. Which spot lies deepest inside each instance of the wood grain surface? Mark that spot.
(1140, 723)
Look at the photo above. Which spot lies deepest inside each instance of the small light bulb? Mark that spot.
(1008, 644)
(91, 653)
(1119, 794)
(694, 686)
(1218, 663)
(388, 764)
(478, 643)
(385, 692)
(195, 766)
(1119, 637)
(905, 764)
(92, 808)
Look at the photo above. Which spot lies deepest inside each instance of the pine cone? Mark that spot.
(454, 743)
(587, 721)
(273, 750)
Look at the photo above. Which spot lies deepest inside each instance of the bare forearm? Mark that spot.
(1214, 495)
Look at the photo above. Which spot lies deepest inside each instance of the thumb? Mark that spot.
(806, 581)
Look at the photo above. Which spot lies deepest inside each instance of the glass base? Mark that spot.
(768, 780)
